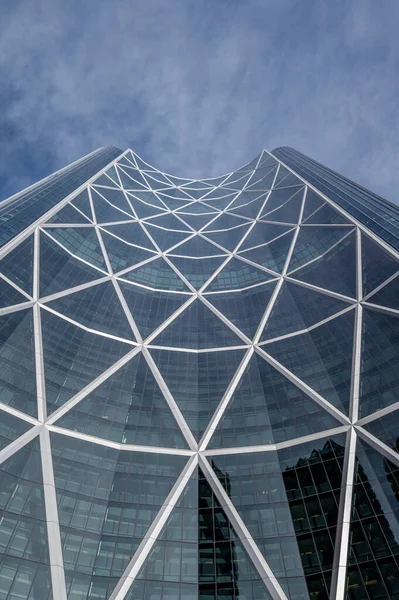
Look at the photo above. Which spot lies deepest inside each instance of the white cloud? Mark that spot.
(198, 88)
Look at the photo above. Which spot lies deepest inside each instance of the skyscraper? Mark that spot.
(199, 385)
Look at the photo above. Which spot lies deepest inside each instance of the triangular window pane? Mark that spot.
(164, 238)
(230, 238)
(377, 265)
(111, 173)
(279, 197)
(388, 295)
(25, 562)
(149, 308)
(286, 178)
(171, 568)
(97, 307)
(374, 530)
(298, 308)
(379, 376)
(11, 428)
(107, 499)
(197, 381)
(106, 181)
(312, 202)
(115, 197)
(327, 215)
(132, 233)
(147, 197)
(224, 221)
(197, 327)
(73, 357)
(251, 209)
(59, 270)
(197, 222)
(312, 242)
(195, 208)
(247, 197)
(82, 242)
(267, 408)
(291, 518)
(156, 274)
(273, 255)
(82, 202)
(17, 358)
(262, 179)
(238, 274)
(105, 212)
(9, 295)
(244, 309)
(386, 429)
(197, 246)
(129, 408)
(262, 233)
(219, 202)
(169, 221)
(17, 265)
(335, 271)
(133, 181)
(197, 271)
(288, 213)
(123, 255)
(322, 358)
(144, 210)
(68, 214)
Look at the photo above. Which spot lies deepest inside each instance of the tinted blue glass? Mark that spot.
(238, 274)
(377, 265)
(156, 274)
(272, 255)
(82, 242)
(17, 265)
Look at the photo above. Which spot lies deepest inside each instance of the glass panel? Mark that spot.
(312, 203)
(131, 233)
(68, 214)
(197, 246)
(286, 178)
(224, 221)
(327, 215)
(262, 179)
(197, 381)
(335, 271)
(374, 534)
(97, 307)
(82, 202)
(149, 308)
(197, 327)
(298, 308)
(171, 569)
(312, 242)
(247, 196)
(11, 428)
(9, 295)
(118, 199)
(166, 239)
(245, 309)
(198, 221)
(273, 255)
(156, 274)
(388, 295)
(230, 238)
(73, 358)
(147, 197)
(278, 198)
(262, 233)
(132, 179)
(251, 209)
(143, 210)
(266, 408)
(82, 242)
(121, 254)
(17, 265)
(59, 270)
(17, 356)
(386, 429)
(197, 271)
(105, 212)
(377, 265)
(169, 221)
(107, 499)
(128, 408)
(379, 382)
(238, 274)
(24, 562)
(322, 358)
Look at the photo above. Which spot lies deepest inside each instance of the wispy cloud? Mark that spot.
(199, 88)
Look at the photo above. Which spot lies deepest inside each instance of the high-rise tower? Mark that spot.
(199, 385)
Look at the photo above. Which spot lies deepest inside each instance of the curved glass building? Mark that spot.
(199, 385)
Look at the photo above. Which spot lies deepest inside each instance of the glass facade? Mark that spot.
(199, 385)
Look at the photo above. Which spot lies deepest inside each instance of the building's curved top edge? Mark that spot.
(254, 161)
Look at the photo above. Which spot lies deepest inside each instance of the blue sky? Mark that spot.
(199, 87)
